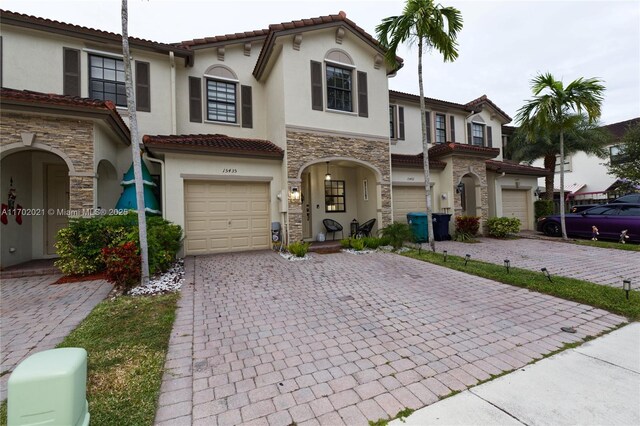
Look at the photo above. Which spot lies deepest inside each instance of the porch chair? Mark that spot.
(333, 227)
(364, 230)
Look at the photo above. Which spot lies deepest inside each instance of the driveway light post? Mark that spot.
(444, 253)
(626, 286)
(507, 264)
(466, 259)
(546, 274)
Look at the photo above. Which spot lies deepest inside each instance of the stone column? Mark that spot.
(295, 214)
(81, 193)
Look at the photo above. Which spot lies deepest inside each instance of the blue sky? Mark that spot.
(503, 44)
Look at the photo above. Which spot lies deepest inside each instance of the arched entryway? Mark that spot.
(108, 187)
(470, 195)
(341, 189)
(34, 189)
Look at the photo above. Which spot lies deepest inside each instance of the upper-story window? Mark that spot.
(441, 128)
(392, 121)
(339, 88)
(617, 155)
(477, 134)
(106, 80)
(222, 94)
(567, 163)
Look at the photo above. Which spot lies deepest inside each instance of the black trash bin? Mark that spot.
(441, 226)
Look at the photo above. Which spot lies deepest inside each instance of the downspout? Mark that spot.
(466, 131)
(163, 183)
(172, 88)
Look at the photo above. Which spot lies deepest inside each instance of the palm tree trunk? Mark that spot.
(135, 148)
(425, 149)
(562, 221)
(549, 164)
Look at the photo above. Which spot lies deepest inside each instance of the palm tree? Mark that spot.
(554, 108)
(135, 148)
(581, 135)
(434, 27)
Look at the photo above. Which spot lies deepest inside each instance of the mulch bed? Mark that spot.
(79, 278)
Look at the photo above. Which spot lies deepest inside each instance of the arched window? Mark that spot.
(222, 94)
(339, 77)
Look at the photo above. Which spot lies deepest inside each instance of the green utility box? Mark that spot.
(419, 226)
(49, 387)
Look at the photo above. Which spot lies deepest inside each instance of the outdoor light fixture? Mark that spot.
(626, 286)
(546, 274)
(466, 259)
(328, 175)
(507, 264)
(459, 187)
(295, 193)
(537, 192)
(444, 253)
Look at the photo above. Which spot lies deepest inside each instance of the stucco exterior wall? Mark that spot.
(586, 169)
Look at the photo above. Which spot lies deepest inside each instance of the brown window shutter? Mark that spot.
(143, 87)
(0, 61)
(71, 72)
(427, 116)
(401, 123)
(316, 86)
(469, 135)
(453, 128)
(247, 106)
(195, 100)
(489, 137)
(363, 97)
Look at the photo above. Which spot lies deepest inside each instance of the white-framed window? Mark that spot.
(440, 128)
(222, 100)
(392, 121)
(339, 88)
(106, 79)
(477, 134)
(567, 163)
(616, 154)
(365, 189)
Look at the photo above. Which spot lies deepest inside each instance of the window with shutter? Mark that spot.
(247, 107)
(427, 116)
(401, 123)
(363, 102)
(106, 79)
(195, 100)
(453, 128)
(143, 87)
(0, 61)
(441, 128)
(392, 121)
(489, 137)
(316, 86)
(71, 72)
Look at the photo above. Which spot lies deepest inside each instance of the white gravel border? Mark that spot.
(168, 282)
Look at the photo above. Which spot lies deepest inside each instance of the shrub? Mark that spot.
(372, 242)
(345, 243)
(463, 237)
(298, 249)
(357, 244)
(543, 208)
(396, 234)
(467, 225)
(80, 244)
(501, 227)
(122, 265)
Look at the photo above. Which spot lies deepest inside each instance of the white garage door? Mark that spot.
(408, 199)
(515, 204)
(226, 216)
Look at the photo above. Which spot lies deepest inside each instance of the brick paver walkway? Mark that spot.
(342, 339)
(594, 264)
(35, 316)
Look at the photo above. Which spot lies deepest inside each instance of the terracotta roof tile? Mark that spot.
(217, 143)
(403, 160)
(415, 98)
(462, 148)
(484, 99)
(224, 38)
(514, 168)
(13, 18)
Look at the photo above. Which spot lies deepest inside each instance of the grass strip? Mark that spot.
(126, 340)
(608, 244)
(604, 297)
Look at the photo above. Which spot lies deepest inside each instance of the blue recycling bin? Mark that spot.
(419, 226)
(440, 226)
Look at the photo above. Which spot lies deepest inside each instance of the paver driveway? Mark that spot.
(594, 264)
(36, 316)
(345, 339)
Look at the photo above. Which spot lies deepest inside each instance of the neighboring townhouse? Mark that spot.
(281, 127)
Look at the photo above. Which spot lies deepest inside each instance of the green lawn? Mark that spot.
(609, 244)
(600, 296)
(127, 340)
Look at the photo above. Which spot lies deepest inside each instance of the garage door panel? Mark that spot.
(408, 199)
(226, 216)
(515, 204)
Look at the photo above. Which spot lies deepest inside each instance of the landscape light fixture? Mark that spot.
(507, 264)
(546, 274)
(466, 259)
(626, 286)
(328, 175)
(444, 253)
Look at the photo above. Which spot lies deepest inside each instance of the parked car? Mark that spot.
(583, 207)
(629, 198)
(610, 219)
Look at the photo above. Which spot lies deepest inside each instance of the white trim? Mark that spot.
(215, 77)
(225, 123)
(189, 176)
(340, 64)
(103, 53)
(338, 111)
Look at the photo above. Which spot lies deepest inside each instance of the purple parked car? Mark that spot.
(610, 219)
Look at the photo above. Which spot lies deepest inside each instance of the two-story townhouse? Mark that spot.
(284, 126)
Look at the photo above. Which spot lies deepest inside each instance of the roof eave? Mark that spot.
(187, 149)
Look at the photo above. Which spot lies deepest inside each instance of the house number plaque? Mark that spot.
(229, 171)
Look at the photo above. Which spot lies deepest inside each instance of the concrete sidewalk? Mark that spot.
(597, 383)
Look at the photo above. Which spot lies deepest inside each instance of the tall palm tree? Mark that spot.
(554, 108)
(580, 136)
(431, 26)
(135, 147)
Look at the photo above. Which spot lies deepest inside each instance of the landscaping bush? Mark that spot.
(396, 234)
(80, 244)
(357, 244)
(122, 265)
(372, 242)
(543, 208)
(299, 249)
(345, 243)
(501, 227)
(468, 225)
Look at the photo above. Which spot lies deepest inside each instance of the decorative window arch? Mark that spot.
(221, 91)
(221, 71)
(339, 56)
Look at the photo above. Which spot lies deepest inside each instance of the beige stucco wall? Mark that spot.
(585, 169)
(498, 182)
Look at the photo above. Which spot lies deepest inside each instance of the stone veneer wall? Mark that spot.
(304, 147)
(73, 137)
(463, 165)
